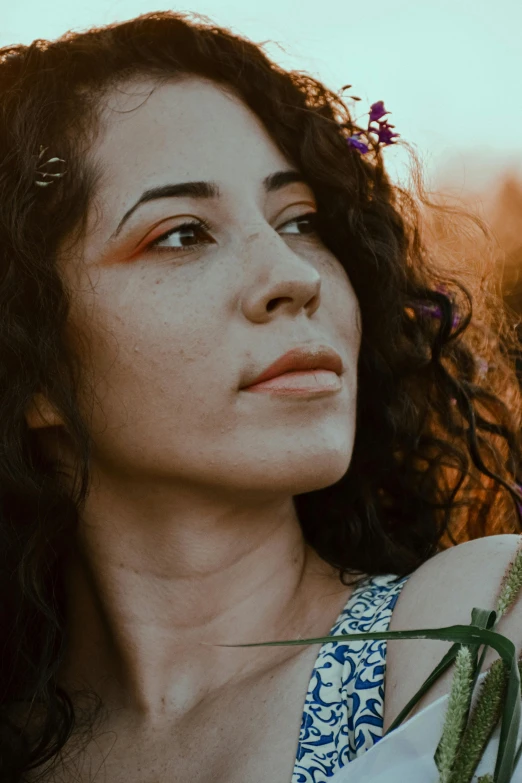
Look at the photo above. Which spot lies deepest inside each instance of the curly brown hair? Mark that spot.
(437, 449)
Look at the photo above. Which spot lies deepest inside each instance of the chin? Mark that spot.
(297, 474)
(323, 476)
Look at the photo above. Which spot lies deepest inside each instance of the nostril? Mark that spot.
(273, 302)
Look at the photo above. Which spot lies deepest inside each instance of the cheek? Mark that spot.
(358, 325)
(168, 351)
(348, 314)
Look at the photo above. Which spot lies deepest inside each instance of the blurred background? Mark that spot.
(449, 71)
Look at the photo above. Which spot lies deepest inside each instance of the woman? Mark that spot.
(157, 499)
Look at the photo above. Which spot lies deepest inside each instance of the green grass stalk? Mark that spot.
(456, 714)
(511, 583)
(481, 724)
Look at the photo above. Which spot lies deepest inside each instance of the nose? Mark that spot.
(285, 281)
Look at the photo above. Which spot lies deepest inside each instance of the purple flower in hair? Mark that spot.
(385, 133)
(359, 145)
(430, 309)
(362, 140)
(442, 289)
(456, 320)
(377, 111)
(435, 311)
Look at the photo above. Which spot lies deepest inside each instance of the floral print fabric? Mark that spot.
(344, 706)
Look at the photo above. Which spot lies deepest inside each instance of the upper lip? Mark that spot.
(307, 357)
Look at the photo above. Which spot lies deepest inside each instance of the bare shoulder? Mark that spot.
(442, 592)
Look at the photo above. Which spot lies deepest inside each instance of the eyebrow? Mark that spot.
(206, 190)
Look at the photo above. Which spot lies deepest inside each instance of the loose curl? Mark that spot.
(437, 447)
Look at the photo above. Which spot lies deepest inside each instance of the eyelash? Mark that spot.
(202, 224)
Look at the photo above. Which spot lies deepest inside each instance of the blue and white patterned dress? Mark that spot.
(344, 706)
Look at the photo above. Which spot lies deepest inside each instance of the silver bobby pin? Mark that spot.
(47, 173)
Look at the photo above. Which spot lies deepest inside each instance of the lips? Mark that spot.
(320, 357)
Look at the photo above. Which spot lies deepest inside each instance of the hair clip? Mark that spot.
(48, 173)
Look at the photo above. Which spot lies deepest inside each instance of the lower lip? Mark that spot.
(300, 384)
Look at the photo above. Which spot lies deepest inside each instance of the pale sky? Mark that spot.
(449, 70)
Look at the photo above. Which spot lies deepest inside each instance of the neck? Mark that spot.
(144, 596)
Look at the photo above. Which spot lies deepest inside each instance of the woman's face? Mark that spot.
(176, 328)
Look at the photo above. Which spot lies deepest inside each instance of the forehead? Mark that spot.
(193, 128)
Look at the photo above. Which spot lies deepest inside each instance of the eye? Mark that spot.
(187, 230)
(184, 231)
(309, 218)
